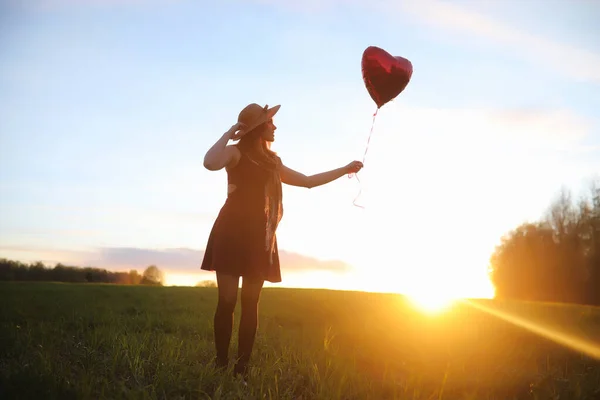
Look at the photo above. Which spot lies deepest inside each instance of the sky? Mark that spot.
(107, 108)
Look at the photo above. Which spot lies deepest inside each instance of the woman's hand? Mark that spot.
(353, 167)
(220, 155)
(237, 131)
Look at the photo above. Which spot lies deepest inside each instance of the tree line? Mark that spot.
(18, 271)
(554, 259)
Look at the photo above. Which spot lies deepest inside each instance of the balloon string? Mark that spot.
(363, 161)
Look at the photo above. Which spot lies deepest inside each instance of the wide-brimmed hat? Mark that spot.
(253, 115)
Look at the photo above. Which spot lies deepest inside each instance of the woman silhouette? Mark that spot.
(242, 242)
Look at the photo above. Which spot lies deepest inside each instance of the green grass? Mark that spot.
(68, 341)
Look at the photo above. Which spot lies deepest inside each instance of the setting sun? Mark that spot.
(433, 298)
(432, 303)
(174, 279)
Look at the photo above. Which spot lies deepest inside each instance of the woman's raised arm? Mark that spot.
(220, 155)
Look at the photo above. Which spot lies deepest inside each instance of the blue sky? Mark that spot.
(107, 108)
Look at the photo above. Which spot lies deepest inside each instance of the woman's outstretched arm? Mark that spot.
(295, 178)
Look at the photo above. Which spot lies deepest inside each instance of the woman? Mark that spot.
(242, 242)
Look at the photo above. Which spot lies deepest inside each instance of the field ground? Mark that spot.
(84, 341)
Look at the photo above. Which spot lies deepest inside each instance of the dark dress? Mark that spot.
(236, 244)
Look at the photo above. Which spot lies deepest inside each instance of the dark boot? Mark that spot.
(241, 369)
(221, 363)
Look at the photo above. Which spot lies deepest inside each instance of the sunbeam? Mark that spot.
(578, 344)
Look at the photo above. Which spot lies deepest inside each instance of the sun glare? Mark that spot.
(432, 303)
(174, 279)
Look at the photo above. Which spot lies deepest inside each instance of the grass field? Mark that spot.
(68, 341)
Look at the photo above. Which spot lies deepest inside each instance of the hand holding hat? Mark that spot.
(250, 117)
(237, 130)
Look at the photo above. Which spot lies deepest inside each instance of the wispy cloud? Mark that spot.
(486, 155)
(51, 4)
(303, 6)
(560, 127)
(47, 255)
(577, 63)
(524, 128)
(568, 59)
(175, 260)
(189, 260)
(574, 62)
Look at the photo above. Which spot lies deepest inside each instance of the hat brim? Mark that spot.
(273, 110)
(270, 114)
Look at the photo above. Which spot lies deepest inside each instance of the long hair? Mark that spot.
(267, 159)
(265, 156)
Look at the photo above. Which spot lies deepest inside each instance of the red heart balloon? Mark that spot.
(385, 76)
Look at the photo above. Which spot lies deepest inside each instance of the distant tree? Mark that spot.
(37, 271)
(555, 259)
(152, 276)
(207, 283)
(134, 277)
(18, 271)
(590, 236)
(12, 270)
(519, 263)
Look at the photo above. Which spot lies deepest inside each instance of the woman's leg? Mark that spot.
(223, 321)
(248, 322)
